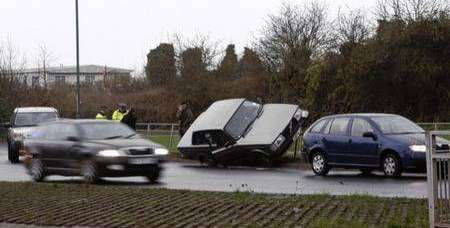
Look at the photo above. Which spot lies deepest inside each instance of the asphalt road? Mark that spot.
(193, 176)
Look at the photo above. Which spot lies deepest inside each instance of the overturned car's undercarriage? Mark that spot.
(238, 131)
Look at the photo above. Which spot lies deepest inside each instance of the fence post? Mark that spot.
(430, 178)
(435, 126)
(171, 135)
(148, 130)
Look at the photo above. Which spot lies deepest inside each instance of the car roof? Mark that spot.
(34, 109)
(360, 115)
(81, 121)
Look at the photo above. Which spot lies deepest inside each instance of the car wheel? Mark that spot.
(13, 155)
(153, 178)
(320, 164)
(36, 170)
(89, 172)
(391, 166)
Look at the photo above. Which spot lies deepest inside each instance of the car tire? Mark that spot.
(13, 155)
(36, 170)
(391, 166)
(89, 172)
(319, 164)
(153, 177)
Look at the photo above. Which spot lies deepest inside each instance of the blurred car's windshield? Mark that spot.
(106, 130)
(243, 117)
(396, 125)
(34, 118)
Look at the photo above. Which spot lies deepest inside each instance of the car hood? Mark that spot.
(414, 139)
(27, 132)
(274, 119)
(125, 143)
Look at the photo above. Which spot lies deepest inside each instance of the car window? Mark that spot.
(242, 118)
(360, 126)
(339, 126)
(34, 118)
(105, 130)
(318, 126)
(60, 131)
(396, 125)
(326, 130)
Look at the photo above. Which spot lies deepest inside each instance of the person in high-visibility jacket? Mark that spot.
(101, 115)
(119, 113)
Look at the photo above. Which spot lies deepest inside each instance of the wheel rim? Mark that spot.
(390, 166)
(36, 169)
(89, 172)
(318, 163)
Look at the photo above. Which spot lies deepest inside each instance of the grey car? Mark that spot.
(23, 124)
(238, 130)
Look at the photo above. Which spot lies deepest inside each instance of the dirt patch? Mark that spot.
(113, 206)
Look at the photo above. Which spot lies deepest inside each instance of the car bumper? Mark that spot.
(128, 166)
(417, 162)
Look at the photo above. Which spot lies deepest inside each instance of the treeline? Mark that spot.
(398, 62)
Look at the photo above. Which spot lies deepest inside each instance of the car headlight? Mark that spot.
(301, 114)
(418, 148)
(161, 151)
(278, 142)
(110, 153)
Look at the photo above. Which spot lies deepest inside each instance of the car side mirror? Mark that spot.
(73, 139)
(370, 134)
(208, 139)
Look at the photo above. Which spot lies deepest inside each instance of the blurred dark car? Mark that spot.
(23, 123)
(388, 142)
(92, 149)
(238, 131)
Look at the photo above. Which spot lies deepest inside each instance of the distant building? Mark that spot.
(92, 74)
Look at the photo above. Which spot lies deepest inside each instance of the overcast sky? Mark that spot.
(120, 32)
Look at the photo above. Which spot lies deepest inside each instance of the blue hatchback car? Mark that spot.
(366, 142)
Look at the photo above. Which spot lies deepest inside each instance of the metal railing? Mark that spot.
(438, 157)
(159, 130)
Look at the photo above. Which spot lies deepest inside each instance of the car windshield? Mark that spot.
(396, 125)
(106, 130)
(34, 118)
(242, 118)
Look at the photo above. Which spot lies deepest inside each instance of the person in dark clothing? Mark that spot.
(185, 118)
(130, 119)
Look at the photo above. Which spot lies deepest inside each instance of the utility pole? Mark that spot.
(78, 115)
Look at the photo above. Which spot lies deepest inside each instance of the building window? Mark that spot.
(89, 79)
(60, 79)
(35, 81)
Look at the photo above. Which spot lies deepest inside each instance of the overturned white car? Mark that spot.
(238, 130)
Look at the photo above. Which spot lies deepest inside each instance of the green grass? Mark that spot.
(165, 141)
(58, 204)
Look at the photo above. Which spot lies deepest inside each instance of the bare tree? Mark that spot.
(44, 59)
(351, 28)
(210, 48)
(411, 10)
(293, 29)
(289, 43)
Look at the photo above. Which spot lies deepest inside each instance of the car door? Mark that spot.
(336, 141)
(59, 149)
(363, 150)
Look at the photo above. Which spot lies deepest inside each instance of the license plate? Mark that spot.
(141, 161)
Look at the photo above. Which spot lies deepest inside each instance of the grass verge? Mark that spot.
(58, 204)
